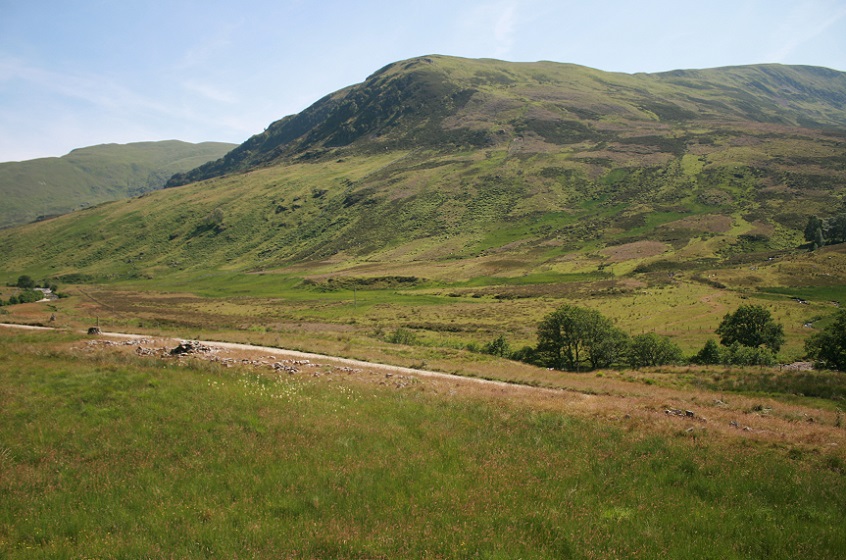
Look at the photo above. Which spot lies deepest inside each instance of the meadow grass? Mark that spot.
(118, 456)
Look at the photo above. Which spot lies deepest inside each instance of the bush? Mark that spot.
(752, 326)
(497, 347)
(574, 338)
(25, 282)
(650, 349)
(26, 296)
(402, 336)
(828, 347)
(709, 355)
(739, 355)
(528, 355)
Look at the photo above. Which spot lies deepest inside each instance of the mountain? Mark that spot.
(47, 187)
(438, 102)
(449, 167)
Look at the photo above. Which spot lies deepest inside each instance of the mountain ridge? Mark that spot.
(423, 102)
(45, 187)
(509, 173)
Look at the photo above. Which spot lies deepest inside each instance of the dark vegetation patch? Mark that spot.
(558, 131)
(668, 144)
(819, 384)
(337, 283)
(667, 111)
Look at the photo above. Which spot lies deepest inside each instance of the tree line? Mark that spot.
(28, 293)
(820, 232)
(574, 338)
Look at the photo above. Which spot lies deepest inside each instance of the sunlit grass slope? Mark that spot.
(103, 456)
(88, 176)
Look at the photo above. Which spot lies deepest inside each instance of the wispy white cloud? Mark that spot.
(92, 89)
(209, 47)
(801, 34)
(504, 28)
(489, 29)
(210, 92)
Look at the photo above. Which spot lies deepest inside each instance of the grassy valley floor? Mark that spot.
(111, 451)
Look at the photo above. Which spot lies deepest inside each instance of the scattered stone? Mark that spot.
(190, 347)
(798, 366)
(279, 366)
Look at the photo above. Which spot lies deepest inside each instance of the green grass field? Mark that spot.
(105, 455)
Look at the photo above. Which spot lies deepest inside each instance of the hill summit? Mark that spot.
(446, 103)
(455, 168)
(46, 187)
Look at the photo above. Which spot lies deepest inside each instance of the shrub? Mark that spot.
(497, 347)
(739, 355)
(709, 354)
(828, 347)
(572, 338)
(752, 326)
(650, 349)
(25, 282)
(402, 336)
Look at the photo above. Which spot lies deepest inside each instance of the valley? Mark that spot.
(415, 223)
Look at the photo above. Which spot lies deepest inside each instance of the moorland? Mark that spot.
(410, 220)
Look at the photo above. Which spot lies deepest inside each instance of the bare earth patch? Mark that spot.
(636, 250)
(709, 223)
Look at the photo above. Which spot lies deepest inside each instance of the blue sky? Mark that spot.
(76, 73)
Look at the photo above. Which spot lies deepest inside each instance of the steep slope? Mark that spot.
(457, 168)
(87, 176)
(444, 102)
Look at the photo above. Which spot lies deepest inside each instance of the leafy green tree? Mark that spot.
(571, 337)
(814, 232)
(709, 354)
(835, 229)
(650, 349)
(29, 296)
(497, 347)
(529, 355)
(753, 326)
(738, 355)
(608, 346)
(828, 347)
(25, 282)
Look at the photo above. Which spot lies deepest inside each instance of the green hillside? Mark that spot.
(442, 182)
(548, 166)
(447, 103)
(88, 176)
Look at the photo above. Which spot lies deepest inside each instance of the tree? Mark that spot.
(25, 282)
(608, 346)
(498, 347)
(739, 355)
(751, 325)
(29, 296)
(814, 229)
(572, 336)
(828, 347)
(708, 355)
(650, 349)
(835, 229)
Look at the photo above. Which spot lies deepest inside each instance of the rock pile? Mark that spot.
(190, 347)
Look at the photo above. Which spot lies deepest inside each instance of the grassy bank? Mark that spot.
(107, 455)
